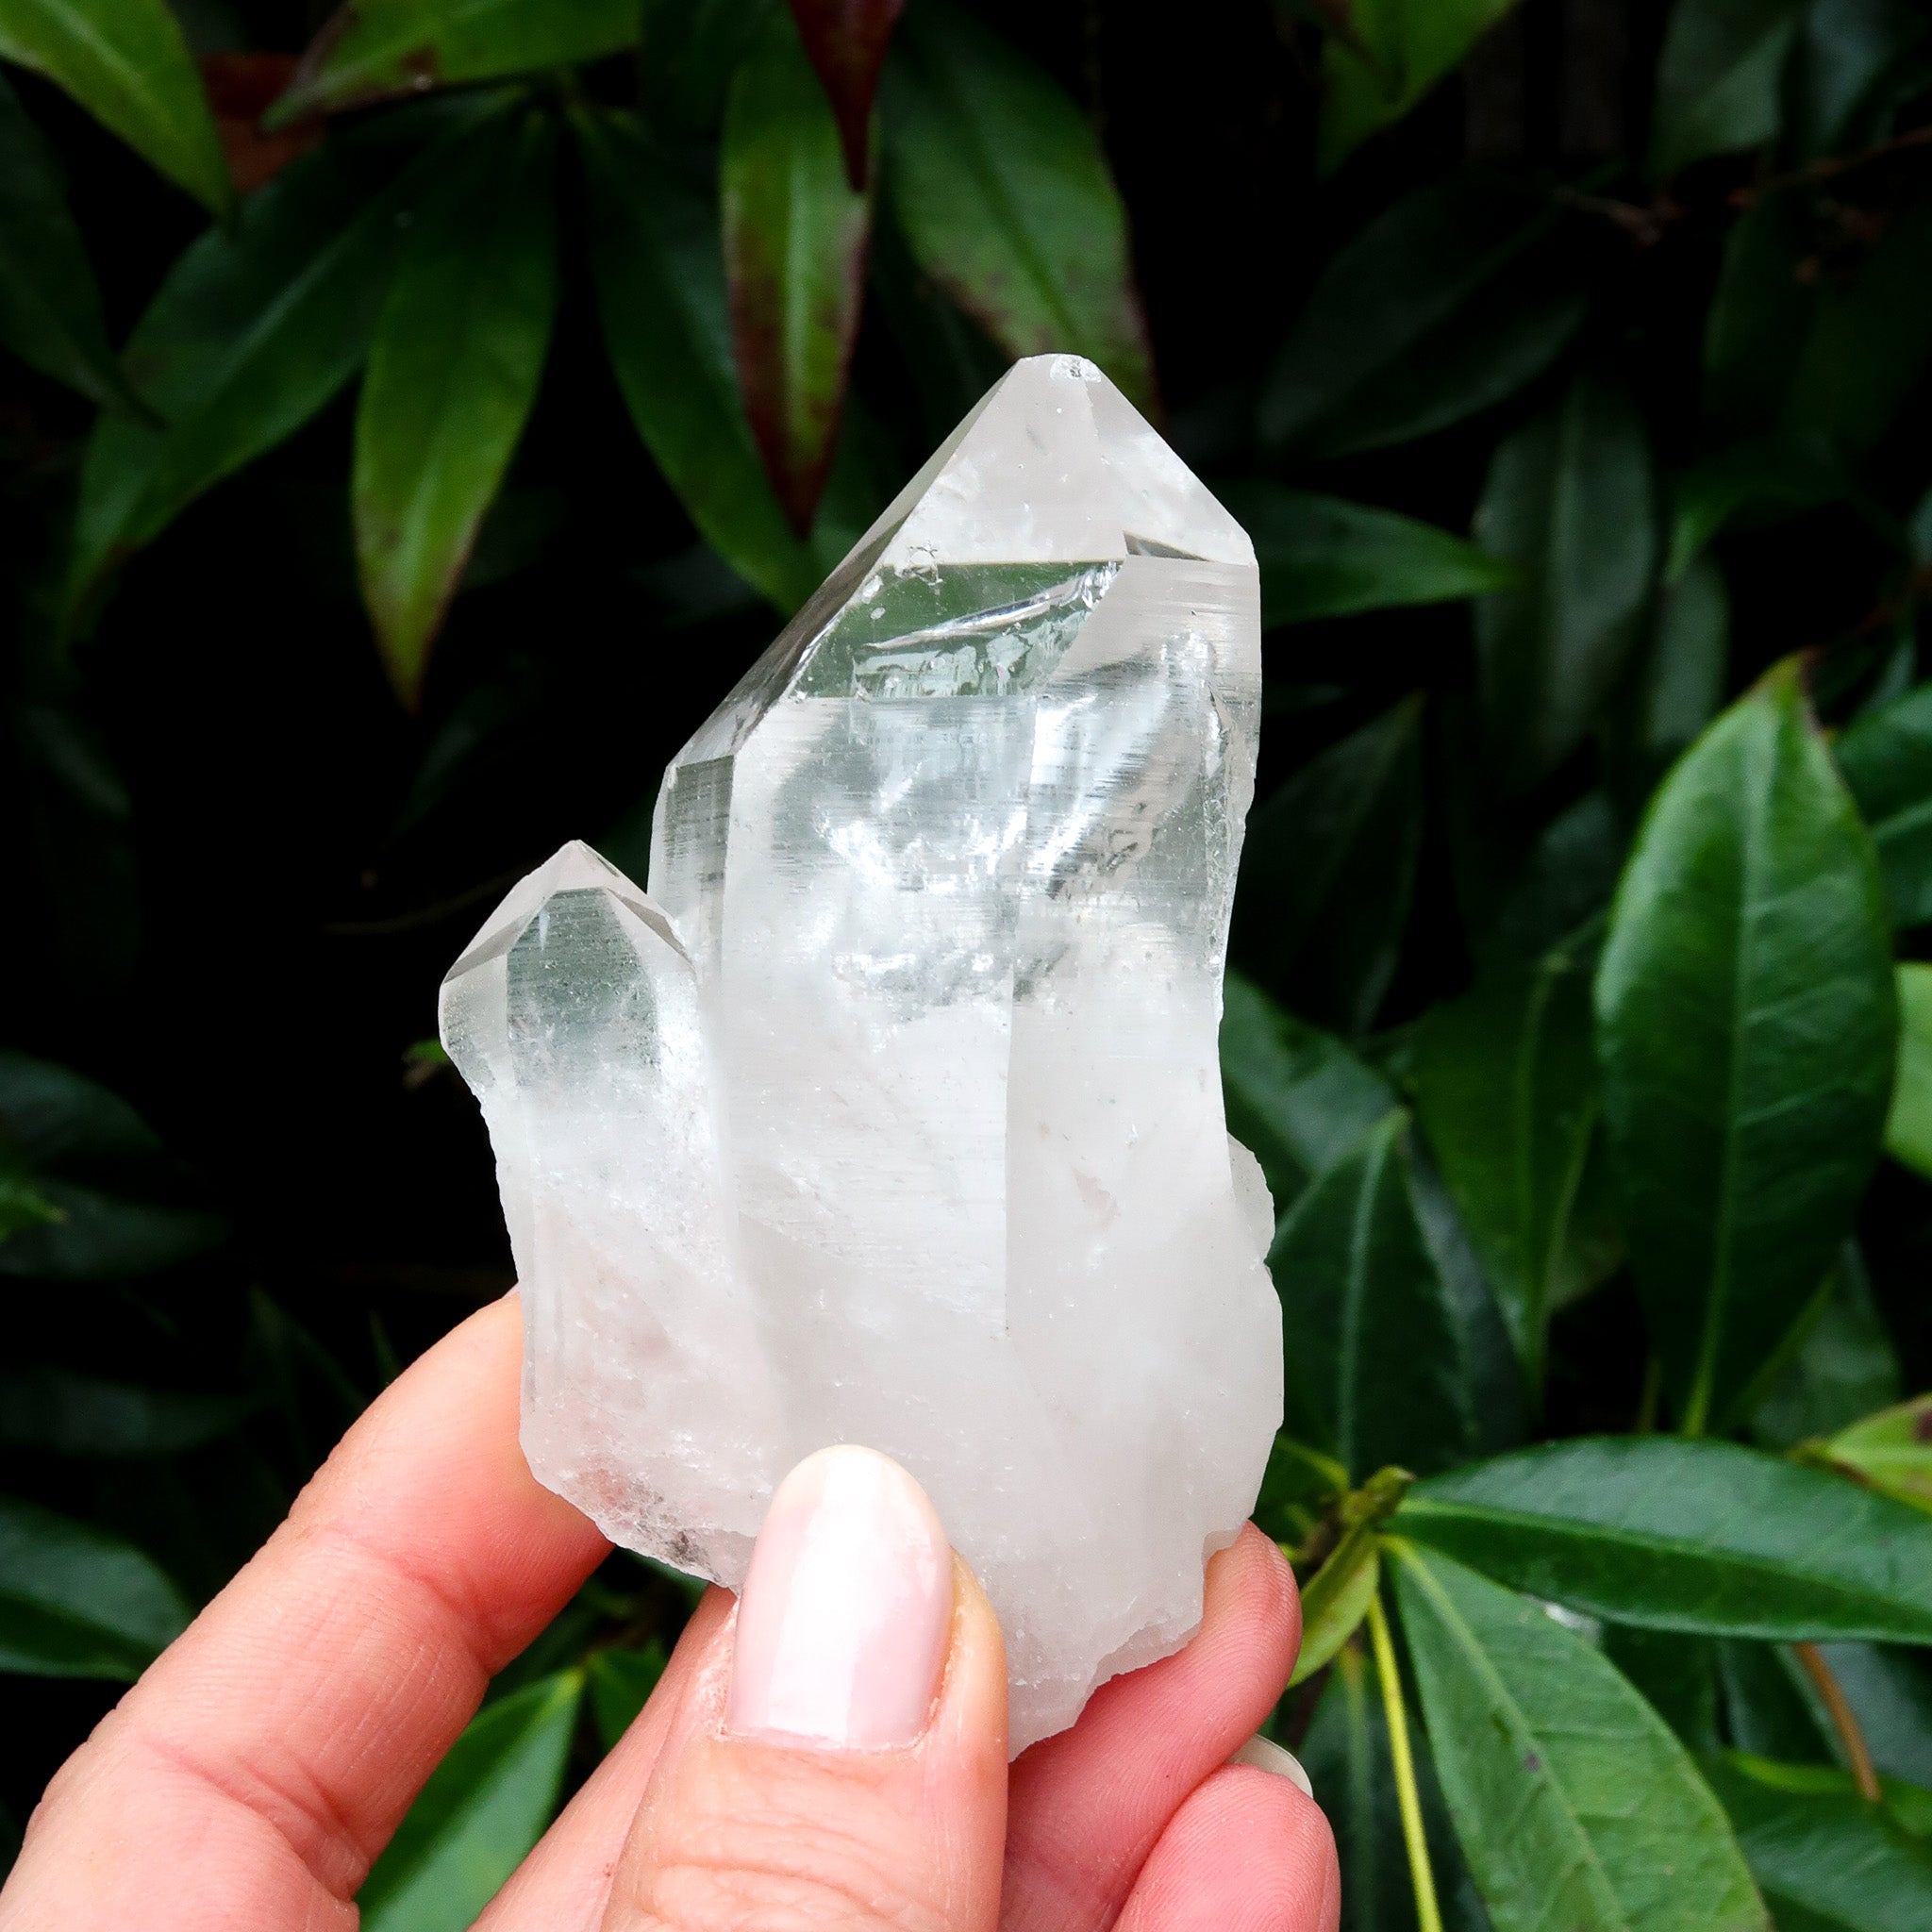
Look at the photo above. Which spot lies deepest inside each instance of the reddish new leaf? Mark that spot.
(846, 41)
(795, 235)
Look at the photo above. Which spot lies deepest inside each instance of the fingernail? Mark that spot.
(846, 1611)
(1264, 1755)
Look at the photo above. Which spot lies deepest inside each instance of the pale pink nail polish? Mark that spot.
(846, 1611)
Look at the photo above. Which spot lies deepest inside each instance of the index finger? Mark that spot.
(253, 1775)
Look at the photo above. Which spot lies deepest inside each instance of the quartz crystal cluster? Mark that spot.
(892, 1114)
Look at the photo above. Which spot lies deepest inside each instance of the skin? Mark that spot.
(251, 1777)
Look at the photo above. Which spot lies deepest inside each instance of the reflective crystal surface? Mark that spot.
(893, 1114)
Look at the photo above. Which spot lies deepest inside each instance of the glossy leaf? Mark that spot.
(846, 42)
(1449, 302)
(255, 329)
(1827, 1862)
(1846, 1367)
(1326, 557)
(1329, 871)
(1001, 189)
(661, 288)
(1892, 1450)
(373, 48)
(1869, 343)
(794, 258)
(453, 372)
(1717, 81)
(1569, 501)
(484, 1807)
(1504, 1083)
(50, 310)
(1746, 1028)
(1886, 758)
(1678, 1676)
(1678, 1535)
(1297, 1098)
(1770, 1705)
(1398, 51)
(76, 1602)
(81, 1415)
(1345, 1754)
(1375, 1364)
(126, 64)
(1335, 1600)
(620, 1684)
(1574, 1803)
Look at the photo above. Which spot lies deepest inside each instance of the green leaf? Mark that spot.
(1336, 1599)
(1853, 59)
(1403, 48)
(82, 1169)
(1759, 315)
(1505, 1084)
(1345, 1754)
(252, 331)
(1677, 1535)
(1890, 1694)
(1682, 687)
(1297, 1487)
(1846, 1367)
(1296, 1097)
(795, 235)
(1449, 302)
(1717, 79)
(1759, 482)
(1375, 1366)
(1868, 343)
(1569, 501)
(1886, 758)
(1575, 1805)
(453, 372)
(50, 310)
(483, 1809)
(620, 1685)
(81, 1415)
(1676, 1674)
(1827, 1861)
(1746, 1028)
(1771, 1706)
(1892, 1450)
(76, 1602)
(374, 48)
(126, 64)
(1001, 189)
(660, 287)
(1330, 869)
(1326, 557)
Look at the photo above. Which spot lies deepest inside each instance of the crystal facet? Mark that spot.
(893, 1114)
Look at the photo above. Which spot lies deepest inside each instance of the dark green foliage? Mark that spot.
(1567, 362)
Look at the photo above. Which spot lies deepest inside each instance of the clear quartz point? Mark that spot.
(893, 1114)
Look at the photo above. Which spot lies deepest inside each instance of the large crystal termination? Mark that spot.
(892, 1115)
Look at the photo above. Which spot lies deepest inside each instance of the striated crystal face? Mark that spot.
(893, 1114)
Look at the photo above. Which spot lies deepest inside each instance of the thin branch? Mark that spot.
(1428, 1915)
(1844, 1721)
(1830, 166)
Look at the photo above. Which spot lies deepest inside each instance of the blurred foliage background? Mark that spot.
(415, 420)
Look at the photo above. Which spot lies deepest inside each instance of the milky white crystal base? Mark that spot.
(894, 1115)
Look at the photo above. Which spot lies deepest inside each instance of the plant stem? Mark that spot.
(1652, 1397)
(1428, 1915)
(1844, 1721)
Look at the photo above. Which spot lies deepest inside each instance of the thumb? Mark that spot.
(838, 1762)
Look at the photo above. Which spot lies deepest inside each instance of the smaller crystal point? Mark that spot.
(893, 1116)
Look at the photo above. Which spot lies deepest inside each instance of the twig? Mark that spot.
(1830, 166)
(1844, 1721)
(1644, 225)
(1429, 1914)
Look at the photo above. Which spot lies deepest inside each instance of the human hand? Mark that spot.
(248, 1781)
